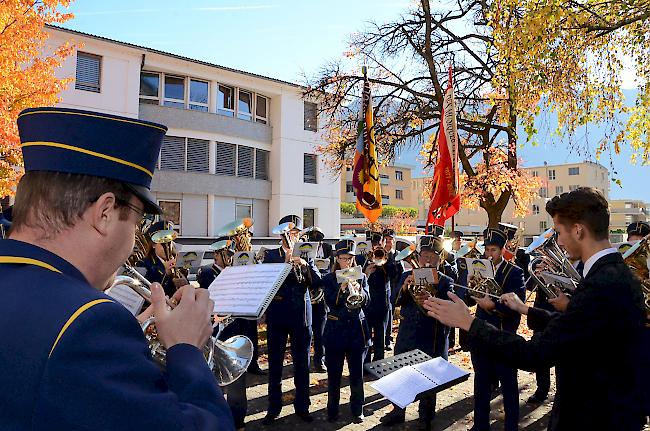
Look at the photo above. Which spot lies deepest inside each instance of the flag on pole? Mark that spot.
(365, 178)
(445, 199)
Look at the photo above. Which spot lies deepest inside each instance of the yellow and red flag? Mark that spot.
(445, 199)
(365, 178)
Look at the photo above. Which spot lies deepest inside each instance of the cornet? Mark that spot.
(284, 230)
(355, 298)
(227, 360)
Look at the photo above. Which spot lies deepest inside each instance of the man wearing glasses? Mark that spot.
(73, 358)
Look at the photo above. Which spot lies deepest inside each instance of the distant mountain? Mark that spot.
(580, 147)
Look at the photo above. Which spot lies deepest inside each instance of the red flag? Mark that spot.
(445, 199)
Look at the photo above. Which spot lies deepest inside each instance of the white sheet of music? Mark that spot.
(402, 386)
(127, 297)
(246, 290)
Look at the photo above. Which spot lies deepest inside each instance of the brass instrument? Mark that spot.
(223, 248)
(228, 360)
(142, 242)
(355, 298)
(378, 256)
(556, 261)
(238, 231)
(471, 250)
(479, 286)
(636, 257)
(284, 231)
(166, 239)
(411, 256)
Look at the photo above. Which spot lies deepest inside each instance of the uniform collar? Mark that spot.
(595, 257)
(18, 252)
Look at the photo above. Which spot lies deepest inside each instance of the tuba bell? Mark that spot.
(636, 258)
(238, 231)
(557, 264)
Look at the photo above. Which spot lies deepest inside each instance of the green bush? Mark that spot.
(389, 211)
(348, 208)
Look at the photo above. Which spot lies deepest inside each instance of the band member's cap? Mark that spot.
(640, 228)
(297, 221)
(92, 143)
(434, 229)
(401, 244)
(457, 234)
(223, 243)
(345, 246)
(388, 232)
(494, 237)
(431, 243)
(373, 237)
(509, 229)
(158, 226)
(315, 234)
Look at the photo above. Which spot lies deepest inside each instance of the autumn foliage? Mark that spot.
(26, 73)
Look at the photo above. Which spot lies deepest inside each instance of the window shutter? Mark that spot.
(310, 168)
(311, 116)
(261, 164)
(88, 72)
(245, 161)
(172, 154)
(225, 159)
(197, 155)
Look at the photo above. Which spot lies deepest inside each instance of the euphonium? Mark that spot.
(636, 257)
(227, 360)
(411, 256)
(478, 286)
(378, 256)
(355, 298)
(166, 239)
(557, 263)
(238, 231)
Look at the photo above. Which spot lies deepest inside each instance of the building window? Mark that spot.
(551, 174)
(172, 154)
(535, 209)
(225, 159)
(310, 168)
(543, 193)
(311, 116)
(308, 217)
(384, 177)
(243, 211)
(88, 76)
(171, 211)
(225, 102)
(573, 187)
(574, 171)
(245, 106)
(174, 95)
(349, 187)
(559, 190)
(198, 155)
(261, 109)
(385, 197)
(399, 194)
(628, 219)
(534, 173)
(399, 175)
(542, 225)
(199, 95)
(149, 87)
(245, 161)
(261, 164)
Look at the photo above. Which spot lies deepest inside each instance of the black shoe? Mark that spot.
(535, 399)
(320, 367)
(357, 419)
(393, 417)
(269, 419)
(255, 369)
(387, 347)
(305, 416)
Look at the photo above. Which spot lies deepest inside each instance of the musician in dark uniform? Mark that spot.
(487, 370)
(389, 245)
(347, 335)
(158, 268)
(637, 230)
(417, 330)
(72, 358)
(318, 305)
(289, 316)
(593, 392)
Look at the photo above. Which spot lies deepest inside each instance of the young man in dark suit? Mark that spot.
(594, 391)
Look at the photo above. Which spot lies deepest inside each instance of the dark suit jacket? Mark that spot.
(511, 279)
(595, 346)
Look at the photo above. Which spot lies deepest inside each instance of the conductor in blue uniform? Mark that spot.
(289, 316)
(74, 358)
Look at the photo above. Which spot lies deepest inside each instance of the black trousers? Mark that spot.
(319, 317)
(485, 370)
(377, 326)
(236, 398)
(334, 361)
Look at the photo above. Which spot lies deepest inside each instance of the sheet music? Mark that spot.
(402, 386)
(425, 275)
(127, 297)
(243, 258)
(440, 371)
(189, 259)
(305, 250)
(246, 291)
(483, 267)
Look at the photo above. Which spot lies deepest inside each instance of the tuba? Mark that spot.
(556, 261)
(355, 298)
(636, 257)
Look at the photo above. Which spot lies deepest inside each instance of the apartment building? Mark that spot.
(624, 212)
(238, 145)
(556, 179)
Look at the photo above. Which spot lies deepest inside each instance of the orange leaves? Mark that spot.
(27, 76)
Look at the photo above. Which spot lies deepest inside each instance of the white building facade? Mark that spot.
(238, 144)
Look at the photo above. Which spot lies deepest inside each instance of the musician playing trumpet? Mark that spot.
(346, 335)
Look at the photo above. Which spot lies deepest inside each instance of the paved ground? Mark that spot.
(454, 405)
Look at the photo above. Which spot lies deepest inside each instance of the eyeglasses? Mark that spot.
(141, 214)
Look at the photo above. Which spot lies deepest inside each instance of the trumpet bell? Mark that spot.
(230, 358)
(409, 255)
(164, 236)
(236, 227)
(283, 228)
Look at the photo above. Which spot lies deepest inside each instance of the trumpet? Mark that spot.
(355, 298)
(284, 230)
(227, 360)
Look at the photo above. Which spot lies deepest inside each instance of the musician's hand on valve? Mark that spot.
(561, 302)
(344, 286)
(169, 264)
(451, 312)
(147, 313)
(189, 322)
(513, 302)
(485, 302)
(421, 297)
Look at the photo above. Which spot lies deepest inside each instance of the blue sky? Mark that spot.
(284, 39)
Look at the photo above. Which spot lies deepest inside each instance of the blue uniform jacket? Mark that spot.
(292, 304)
(344, 326)
(511, 279)
(417, 330)
(156, 274)
(73, 359)
(380, 290)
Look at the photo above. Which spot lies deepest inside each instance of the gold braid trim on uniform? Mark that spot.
(72, 318)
